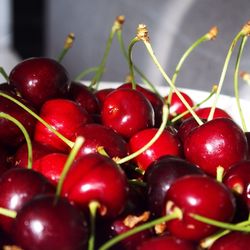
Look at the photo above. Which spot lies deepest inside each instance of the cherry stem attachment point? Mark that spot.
(25, 133)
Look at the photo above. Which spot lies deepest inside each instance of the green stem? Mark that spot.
(71, 157)
(25, 133)
(93, 206)
(152, 141)
(224, 225)
(4, 74)
(236, 83)
(8, 213)
(223, 74)
(175, 215)
(64, 139)
(67, 45)
(219, 173)
(85, 72)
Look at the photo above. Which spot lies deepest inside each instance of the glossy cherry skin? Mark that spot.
(219, 142)
(94, 177)
(19, 185)
(39, 79)
(237, 178)
(155, 100)
(102, 93)
(10, 134)
(51, 166)
(127, 111)
(63, 115)
(84, 97)
(167, 144)
(166, 241)
(98, 135)
(218, 113)
(232, 241)
(200, 195)
(47, 223)
(160, 175)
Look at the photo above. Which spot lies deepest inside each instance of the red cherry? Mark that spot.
(49, 223)
(167, 144)
(219, 142)
(218, 113)
(39, 79)
(200, 195)
(102, 93)
(127, 111)
(63, 115)
(94, 177)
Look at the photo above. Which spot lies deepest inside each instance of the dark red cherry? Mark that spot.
(167, 144)
(19, 185)
(202, 195)
(127, 111)
(94, 177)
(96, 136)
(219, 142)
(155, 100)
(49, 223)
(160, 175)
(39, 79)
(237, 178)
(232, 241)
(63, 115)
(166, 241)
(84, 97)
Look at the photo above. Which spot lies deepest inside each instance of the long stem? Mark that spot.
(25, 133)
(175, 215)
(244, 31)
(145, 39)
(236, 83)
(152, 141)
(72, 155)
(64, 139)
(67, 45)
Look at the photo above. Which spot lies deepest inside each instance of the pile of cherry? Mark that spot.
(171, 184)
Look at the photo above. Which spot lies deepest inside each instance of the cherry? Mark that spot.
(202, 195)
(94, 177)
(219, 142)
(127, 111)
(38, 79)
(232, 241)
(84, 97)
(19, 185)
(166, 241)
(218, 113)
(155, 100)
(97, 135)
(63, 115)
(102, 93)
(167, 144)
(49, 223)
(237, 178)
(160, 175)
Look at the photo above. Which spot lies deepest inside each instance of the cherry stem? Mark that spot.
(116, 26)
(176, 118)
(93, 206)
(219, 173)
(71, 157)
(143, 34)
(85, 72)
(67, 45)
(244, 31)
(4, 74)
(8, 213)
(144, 79)
(236, 83)
(176, 214)
(165, 112)
(220, 224)
(211, 35)
(64, 139)
(25, 133)
(207, 242)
